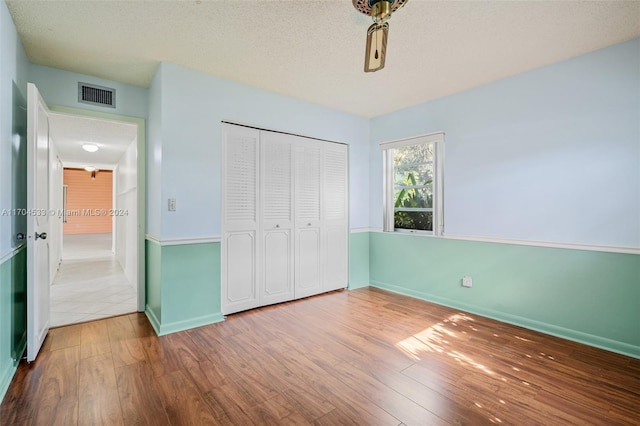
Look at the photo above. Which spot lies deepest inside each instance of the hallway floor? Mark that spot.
(90, 283)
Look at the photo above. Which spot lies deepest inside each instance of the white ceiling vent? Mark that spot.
(96, 95)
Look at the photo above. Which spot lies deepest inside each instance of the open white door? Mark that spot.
(37, 221)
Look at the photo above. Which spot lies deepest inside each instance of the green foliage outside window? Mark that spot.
(413, 187)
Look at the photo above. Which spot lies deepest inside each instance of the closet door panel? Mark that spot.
(240, 178)
(335, 220)
(308, 267)
(308, 263)
(277, 180)
(278, 283)
(307, 182)
(284, 217)
(336, 265)
(277, 217)
(335, 183)
(240, 268)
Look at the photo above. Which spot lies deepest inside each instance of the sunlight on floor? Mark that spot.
(460, 357)
(435, 339)
(431, 339)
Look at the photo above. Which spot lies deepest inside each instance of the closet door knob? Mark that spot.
(309, 224)
(277, 226)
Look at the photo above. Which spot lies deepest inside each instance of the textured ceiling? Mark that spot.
(70, 132)
(314, 50)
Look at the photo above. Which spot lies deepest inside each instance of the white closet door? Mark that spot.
(335, 220)
(240, 264)
(307, 221)
(277, 217)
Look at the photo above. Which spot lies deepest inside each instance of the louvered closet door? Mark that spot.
(240, 266)
(277, 218)
(307, 221)
(335, 220)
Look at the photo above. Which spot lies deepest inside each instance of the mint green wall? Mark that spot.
(190, 285)
(587, 296)
(183, 286)
(358, 260)
(153, 266)
(13, 316)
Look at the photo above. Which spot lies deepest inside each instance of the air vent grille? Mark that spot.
(96, 95)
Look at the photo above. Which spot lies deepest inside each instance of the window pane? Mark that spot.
(413, 184)
(421, 221)
(421, 198)
(413, 154)
(413, 174)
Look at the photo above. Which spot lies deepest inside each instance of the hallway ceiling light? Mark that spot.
(90, 147)
(377, 34)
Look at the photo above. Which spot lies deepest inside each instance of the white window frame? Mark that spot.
(388, 198)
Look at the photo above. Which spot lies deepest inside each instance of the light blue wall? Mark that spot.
(61, 88)
(549, 155)
(13, 68)
(186, 109)
(193, 106)
(154, 156)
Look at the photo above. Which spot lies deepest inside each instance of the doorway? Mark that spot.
(94, 259)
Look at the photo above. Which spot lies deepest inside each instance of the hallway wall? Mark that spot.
(126, 219)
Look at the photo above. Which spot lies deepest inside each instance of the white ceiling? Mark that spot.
(70, 132)
(314, 50)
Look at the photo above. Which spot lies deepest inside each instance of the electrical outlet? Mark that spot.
(467, 281)
(172, 205)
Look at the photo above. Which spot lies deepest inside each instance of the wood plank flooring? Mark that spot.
(345, 358)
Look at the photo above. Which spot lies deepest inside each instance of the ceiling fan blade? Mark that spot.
(376, 50)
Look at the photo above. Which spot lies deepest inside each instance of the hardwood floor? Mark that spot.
(352, 357)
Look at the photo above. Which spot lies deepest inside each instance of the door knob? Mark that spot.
(42, 235)
(20, 236)
(309, 224)
(277, 226)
